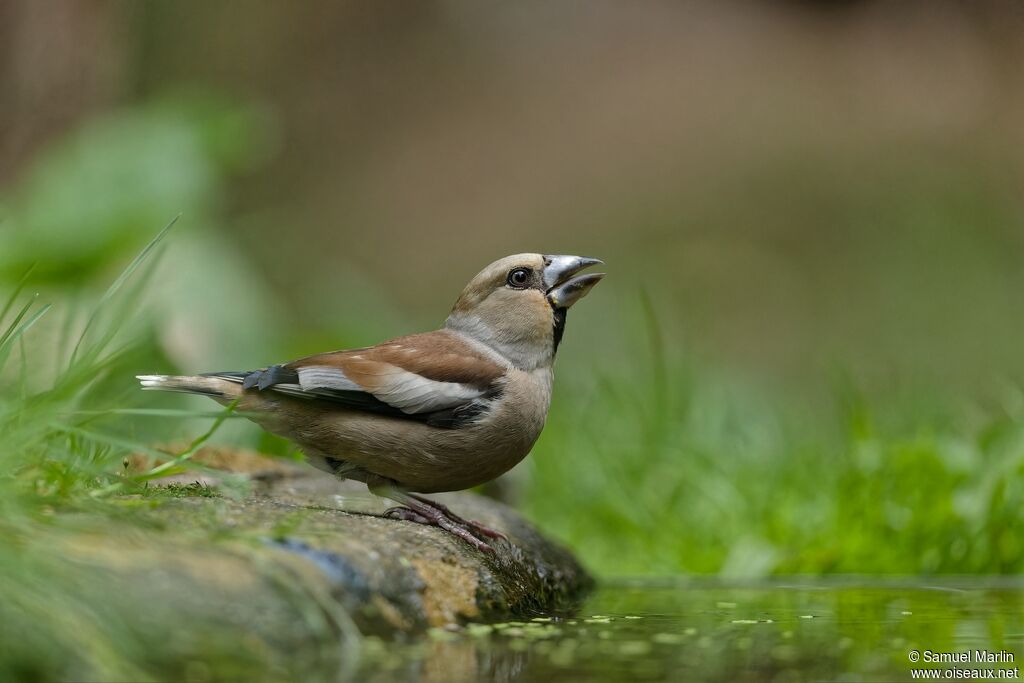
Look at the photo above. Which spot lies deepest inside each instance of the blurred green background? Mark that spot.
(806, 356)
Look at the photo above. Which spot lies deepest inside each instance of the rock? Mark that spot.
(387, 576)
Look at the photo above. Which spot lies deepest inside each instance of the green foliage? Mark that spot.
(81, 204)
(61, 486)
(71, 412)
(656, 472)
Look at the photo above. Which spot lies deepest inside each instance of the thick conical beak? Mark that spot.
(563, 290)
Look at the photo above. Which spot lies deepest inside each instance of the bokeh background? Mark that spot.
(807, 354)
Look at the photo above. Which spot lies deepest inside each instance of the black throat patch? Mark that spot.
(559, 330)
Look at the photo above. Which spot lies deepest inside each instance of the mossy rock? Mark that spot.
(387, 576)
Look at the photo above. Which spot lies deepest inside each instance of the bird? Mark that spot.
(424, 413)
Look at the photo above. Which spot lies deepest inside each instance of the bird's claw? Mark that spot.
(485, 530)
(440, 516)
(465, 533)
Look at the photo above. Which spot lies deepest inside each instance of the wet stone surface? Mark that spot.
(388, 576)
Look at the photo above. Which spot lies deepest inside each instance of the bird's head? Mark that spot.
(518, 304)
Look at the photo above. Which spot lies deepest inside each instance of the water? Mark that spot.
(679, 631)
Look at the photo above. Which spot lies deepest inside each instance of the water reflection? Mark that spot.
(644, 632)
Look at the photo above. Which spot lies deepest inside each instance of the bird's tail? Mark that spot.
(214, 386)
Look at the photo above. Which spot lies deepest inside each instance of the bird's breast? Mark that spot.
(431, 459)
(499, 440)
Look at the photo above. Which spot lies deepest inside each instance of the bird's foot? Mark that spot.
(406, 515)
(425, 513)
(471, 524)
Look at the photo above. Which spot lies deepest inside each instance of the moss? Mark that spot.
(194, 490)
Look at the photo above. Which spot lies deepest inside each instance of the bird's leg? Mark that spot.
(415, 510)
(472, 524)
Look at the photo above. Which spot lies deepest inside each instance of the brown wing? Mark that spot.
(438, 356)
(434, 376)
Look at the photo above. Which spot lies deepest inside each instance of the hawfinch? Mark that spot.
(438, 411)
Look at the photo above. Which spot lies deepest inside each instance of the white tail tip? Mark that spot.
(151, 381)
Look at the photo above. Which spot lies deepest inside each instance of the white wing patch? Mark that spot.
(321, 377)
(412, 393)
(407, 391)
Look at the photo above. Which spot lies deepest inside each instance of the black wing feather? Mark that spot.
(269, 377)
(284, 380)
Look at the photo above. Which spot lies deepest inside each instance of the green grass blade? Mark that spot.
(17, 291)
(160, 412)
(185, 455)
(126, 445)
(120, 311)
(119, 282)
(7, 342)
(17, 319)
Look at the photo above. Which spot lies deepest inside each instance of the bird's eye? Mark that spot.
(518, 277)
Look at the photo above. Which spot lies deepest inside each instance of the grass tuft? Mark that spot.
(62, 449)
